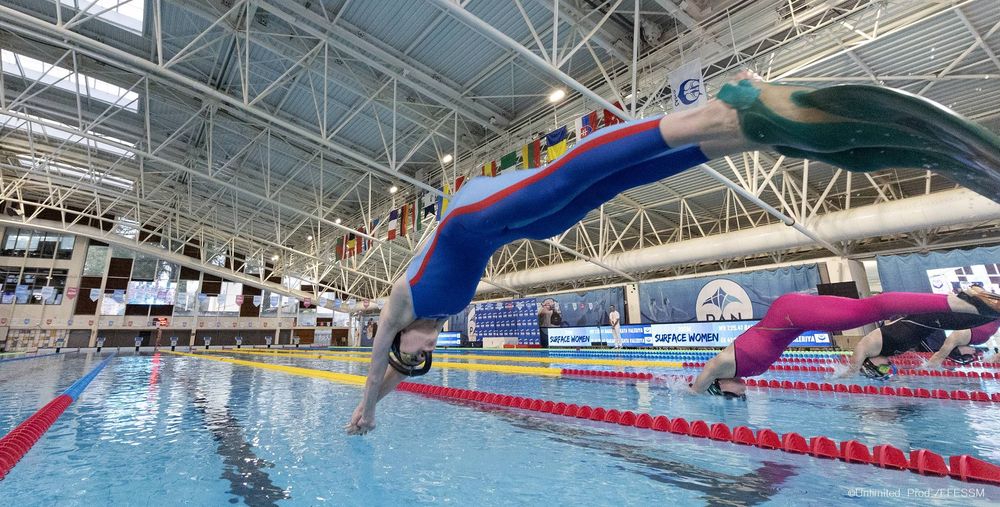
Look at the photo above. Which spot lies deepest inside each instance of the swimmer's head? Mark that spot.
(411, 364)
(882, 371)
(728, 388)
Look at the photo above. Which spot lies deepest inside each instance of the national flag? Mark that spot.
(459, 181)
(555, 143)
(406, 215)
(340, 248)
(490, 169)
(352, 244)
(586, 125)
(531, 154)
(392, 225)
(374, 229)
(687, 87)
(507, 161)
(362, 243)
(610, 118)
(428, 204)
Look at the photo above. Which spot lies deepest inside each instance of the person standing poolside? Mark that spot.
(856, 127)
(615, 319)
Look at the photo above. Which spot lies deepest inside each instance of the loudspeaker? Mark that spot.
(842, 289)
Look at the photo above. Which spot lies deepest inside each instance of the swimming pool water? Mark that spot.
(168, 430)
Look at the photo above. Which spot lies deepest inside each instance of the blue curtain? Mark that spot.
(752, 293)
(908, 273)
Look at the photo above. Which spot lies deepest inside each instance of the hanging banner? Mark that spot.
(95, 294)
(365, 303)
(257, 300)
(71, 292)
(202, 297)
(322, 302)
(687, 86)
(119, 295)
(239, 299)
(48, 292)
(275, 300)
(307, 302)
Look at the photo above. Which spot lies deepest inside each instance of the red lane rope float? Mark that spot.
(902, 371)
(921, 461)
(906, 392)
(19, 441)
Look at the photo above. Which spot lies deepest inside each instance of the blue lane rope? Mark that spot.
(30, 357)
(77, 388)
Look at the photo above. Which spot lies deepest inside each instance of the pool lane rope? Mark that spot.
(19, 441)
(824, 387)
(922, 461)
(29, 357)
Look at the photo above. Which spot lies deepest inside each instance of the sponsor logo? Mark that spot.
(723, 300)
(689, 91)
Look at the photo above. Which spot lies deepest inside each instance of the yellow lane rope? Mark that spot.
(342, 378)
(474, 357)
(499, 368)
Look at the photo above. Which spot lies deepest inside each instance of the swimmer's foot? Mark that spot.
(986, 303)
(865, 128)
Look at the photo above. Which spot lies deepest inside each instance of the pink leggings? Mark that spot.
(793, 314)
(983, 333)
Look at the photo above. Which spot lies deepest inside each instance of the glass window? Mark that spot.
(223, 304)
(9, 276)
(40, 285)
(186, 299)
(341, 319)
(112, 304)
(269, 304)
(36, 70)
(144, 267)
(35, 244)
(96, 263)
(66, 244)
(127, 14)
(62, 132)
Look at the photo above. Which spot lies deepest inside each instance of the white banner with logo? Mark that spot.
(687, 88)
(719, 334)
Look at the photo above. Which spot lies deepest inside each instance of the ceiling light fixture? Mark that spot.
(447, 159)
(557, 95)
(309, 237)
(393, 189)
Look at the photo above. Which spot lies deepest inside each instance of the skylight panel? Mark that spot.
(36, 70)
(127, 14)
(62, 132)
(38, 167)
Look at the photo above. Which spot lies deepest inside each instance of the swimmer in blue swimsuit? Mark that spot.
(859, 128)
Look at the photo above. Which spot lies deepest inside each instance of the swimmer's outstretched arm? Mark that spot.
(955, 339)
(721, 366)
(395, 316)
(869, 346)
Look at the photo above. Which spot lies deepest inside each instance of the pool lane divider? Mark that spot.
(901, 371)
(921, 461)
(20, 440)
(473, 357)
(29, 357)
(497, 368)
(824, 387)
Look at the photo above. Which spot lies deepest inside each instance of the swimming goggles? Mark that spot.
(877, 371)
(716, 390)
(406, 363)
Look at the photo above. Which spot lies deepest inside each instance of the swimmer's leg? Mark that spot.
(811, 123)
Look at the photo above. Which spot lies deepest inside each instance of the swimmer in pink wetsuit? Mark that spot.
(857, 128)
(793, 314)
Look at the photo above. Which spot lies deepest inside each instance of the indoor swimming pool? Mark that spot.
(176, 429)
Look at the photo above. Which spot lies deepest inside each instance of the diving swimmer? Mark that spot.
(753, 352)
(858, 128)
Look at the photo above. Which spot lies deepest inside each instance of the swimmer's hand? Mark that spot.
(361, 423)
